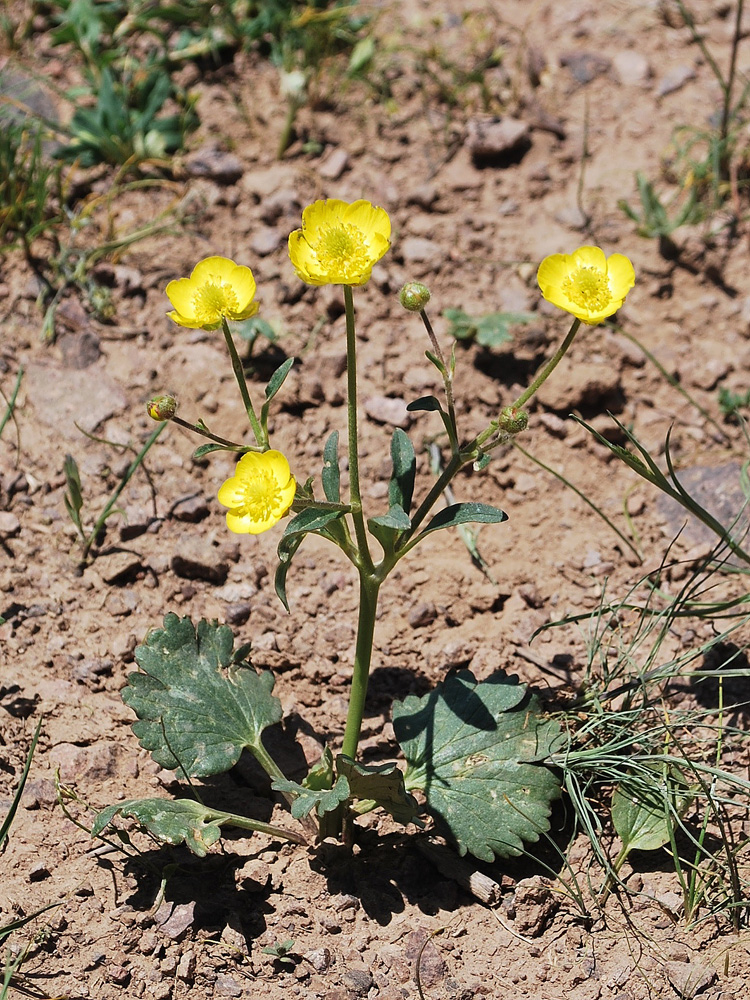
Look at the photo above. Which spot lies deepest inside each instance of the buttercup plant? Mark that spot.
(482, 753)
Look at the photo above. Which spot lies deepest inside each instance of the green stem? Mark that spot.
(205, 432)
(123, 483)
(450, 424)
(353, 434)
(239, 375)
(457, 460)
(11, 403)
(245, 823)
(550, 366)
(369, 587)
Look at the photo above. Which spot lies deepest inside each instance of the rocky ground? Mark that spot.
(589, 93)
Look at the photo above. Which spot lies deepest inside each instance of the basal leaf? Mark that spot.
(478, 752)
(174, 821)
(197, 709)
(644, 811)
(322, 800)
(401, 485)
(382, 784)
(465, 513)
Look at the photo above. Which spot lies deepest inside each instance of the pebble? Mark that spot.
(215, 164)
(420, 250)
(9, 524)
(80, 350)
(118, 567)
(38, 872)
(198, 559)
(266, 240)
(491, 140)
(191, 509)
(334, 164)
(675, 80)
(227, 986)
(319, 958)
(175, 919)
(690, 978)
(587, 384)
(432, 968)
(92, 763)
(422, 614)
(186, 967)
(388, 410)
(585, 66)
(631, 68)
(237, 613)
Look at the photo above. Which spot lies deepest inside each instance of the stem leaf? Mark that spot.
(311, 519)
(322, 800)
(464, 513)
(428, 403)
(331, 475)
(389, 527)
(278, 378)
(382, 784)
(401, 485)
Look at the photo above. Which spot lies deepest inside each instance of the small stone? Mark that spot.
(191, 509)
(38, 872)
(175, 919)
(589, 385)
(198, 559)
(675, 80)
(456, 653)
(319, 958)
(424, 196)
(216, 164)
(492, 140)
(534, 905)
(690, 978)
(388, 410)
(420, 250)
(359, 981)
(266, 240)
(118, 567)
(572, 217)
(80, 350)
(227, 986)
(9, 524)
(118, 974)
(237, 613)
(585, 66)
(186, 967)
(631, 68)
(92, 763)
(422, 614)
(334, 164)
(329, 923)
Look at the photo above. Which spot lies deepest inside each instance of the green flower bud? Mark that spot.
(414, 296)
(512, 420)
(162, 407)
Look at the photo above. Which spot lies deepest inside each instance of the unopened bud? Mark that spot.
(513, 420)
(162, 407)
(414, 296)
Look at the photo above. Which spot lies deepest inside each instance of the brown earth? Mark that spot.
(586, 78)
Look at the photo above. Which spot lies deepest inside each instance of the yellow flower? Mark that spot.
(217, 288)
(586, 283)
(259, 493)
(339, 242)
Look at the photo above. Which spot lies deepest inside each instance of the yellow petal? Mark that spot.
(322, 213)
(213, 269)
(552, 271)
(276, 463)
(304, 259)
(180, 294)
(621, 275)
(243, 285)
(231, 492)
(591, 257)
(372, 220)
(245, 525)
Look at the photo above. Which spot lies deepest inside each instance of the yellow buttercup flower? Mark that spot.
(259, 493)
(586, 283)
(339, 242)
(218, 288)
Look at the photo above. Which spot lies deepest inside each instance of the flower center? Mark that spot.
(261, 497)
(342, 246)
(588, 288)
(213, 300)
